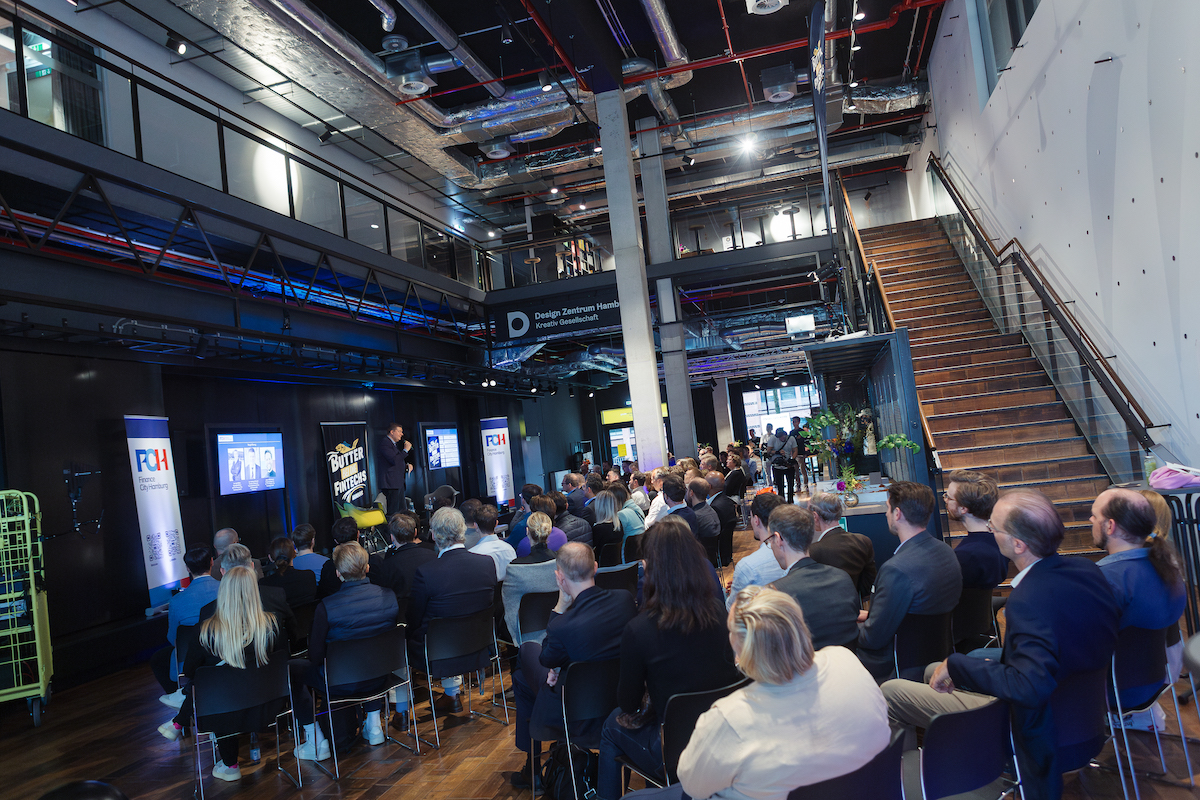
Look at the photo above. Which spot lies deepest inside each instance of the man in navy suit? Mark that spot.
(675, 492)
(1061, 621)
(457, 583)
(392, 467)
(586, 625)
(573, 489)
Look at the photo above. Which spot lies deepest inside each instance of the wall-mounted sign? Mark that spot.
(552, 317)
(615, 416)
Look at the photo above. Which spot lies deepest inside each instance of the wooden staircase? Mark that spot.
(989, 404)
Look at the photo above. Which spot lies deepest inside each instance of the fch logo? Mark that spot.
(495, 439)
(152, 460)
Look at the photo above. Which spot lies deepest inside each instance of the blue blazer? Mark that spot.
(1061, 620)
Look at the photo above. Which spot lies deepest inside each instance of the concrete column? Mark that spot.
(632, 291)
(675, 370)
(724, 417)
(661, 247)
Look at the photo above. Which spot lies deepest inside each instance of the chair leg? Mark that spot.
(437, 736)
(1117, 754)
(1183, 735)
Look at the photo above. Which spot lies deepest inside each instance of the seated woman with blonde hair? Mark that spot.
(806, 718)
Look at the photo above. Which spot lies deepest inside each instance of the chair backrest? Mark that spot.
(1139, 660)
(1191, 654)
(679, 721)
(921, 640)
(304, 618)
(220, 690)
(632, 548)
(186, 637)
(625, 577)
(725, 544)
(610, 554)
(971, 621)
(965, 750)
(879, 779)
(357, 660)
(589, 689)
(454, 637)
(534, 612)
(1080, 717)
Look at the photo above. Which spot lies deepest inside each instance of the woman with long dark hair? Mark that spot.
(676, 643)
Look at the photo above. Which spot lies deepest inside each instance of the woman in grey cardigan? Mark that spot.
(529, 574)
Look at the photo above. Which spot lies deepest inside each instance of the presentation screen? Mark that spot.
(442, 446)
(249, 462)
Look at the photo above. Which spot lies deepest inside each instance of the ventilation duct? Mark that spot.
(779, 83)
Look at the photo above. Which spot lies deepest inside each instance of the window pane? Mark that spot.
(256, 172)
(364, 220)
(178, 139)
(316, 197)
(405, 233)
(439, 256)
(464, 262)
(8, 67)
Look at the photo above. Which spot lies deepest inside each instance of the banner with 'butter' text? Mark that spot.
(346, 460)
(157, 498)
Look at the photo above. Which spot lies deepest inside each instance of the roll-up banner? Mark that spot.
(157, 497)
(497, 459)
(346, 460)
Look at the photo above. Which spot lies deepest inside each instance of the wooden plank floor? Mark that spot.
(106, 730)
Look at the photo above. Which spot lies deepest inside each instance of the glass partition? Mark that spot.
(179, 139)
(257, 173)
(317, 198)
(405, 237)
(364, 220)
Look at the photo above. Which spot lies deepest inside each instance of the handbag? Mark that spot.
(556, 774)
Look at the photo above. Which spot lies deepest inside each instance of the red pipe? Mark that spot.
(729, 46)
(558, 48)
(783, 47)
(924, 36)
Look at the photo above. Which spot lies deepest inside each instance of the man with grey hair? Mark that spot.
(273, 598)
(457, 583)
(835, 546)
(1061, 622)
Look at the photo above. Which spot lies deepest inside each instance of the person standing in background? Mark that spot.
(392, 466)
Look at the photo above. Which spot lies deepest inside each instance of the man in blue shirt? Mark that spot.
(184, 609)
(970, 497)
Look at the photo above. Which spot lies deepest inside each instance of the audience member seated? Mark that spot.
(344, 530)
(1061, 619)
(677, 643)
(608, 529)
(638, 491)
(658, 500)
(922, 577)
(488, 544)
(274, 599)
(468, 509)
(825, 594)
(1144, 571)
(675, 491)
(736, 478)
(727, 513)
(529, 575)
(576, 529)
(239, 635)
(633, 519)
(706, 516)
(586, 625)
(760, 567)
(299, 585)
(184, 609)
(835, 546)
(573, 488)
(970, 497)
(457, 583)
(304, 536)
(399, 566)
(593, 484)
(806, 718)
(517, 530)
(545, 504)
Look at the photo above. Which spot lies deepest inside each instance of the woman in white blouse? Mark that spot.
(807, 717)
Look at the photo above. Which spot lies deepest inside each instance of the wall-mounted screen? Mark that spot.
(249, 462)
(441, 444)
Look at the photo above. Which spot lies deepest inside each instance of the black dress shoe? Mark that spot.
(400, 721)
(520, 779)
(448, 705)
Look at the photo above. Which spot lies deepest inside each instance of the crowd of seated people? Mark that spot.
(807, 617)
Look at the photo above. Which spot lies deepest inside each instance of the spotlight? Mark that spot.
(553, 389)
(691, 161)
(73, 3)
(775, 375)
(591, 394)
(597, 148)
(583, 206)
(484, 384)
(326, 136)
(853, 84)
(506, 34)
(461, 382)
(492, 382)
(756, 386)
(491, 234)
(851, 107)
(748, 144)
(533, 389)
(546, 82)
(860, 16)
(553, 190)
(856, 48)
(784, 383)
(712, 382)
(176, 44)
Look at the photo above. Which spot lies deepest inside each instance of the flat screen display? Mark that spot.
(249, 462)
(442, 446)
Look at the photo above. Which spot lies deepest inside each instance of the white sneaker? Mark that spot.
(310, 752)
(174, 699)
(170, 731)
(225, 773)
(373, 735)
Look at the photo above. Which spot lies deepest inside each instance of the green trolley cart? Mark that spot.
(26, 665)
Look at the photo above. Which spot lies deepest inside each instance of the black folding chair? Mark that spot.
(610, 554)
(224, 689)
(350, 661)
(624, 577)
(458, 637)
(304, 618)
(534, 613)
(1141, 660)
(185, 637)
(1081, 720)
(921, 640)
(588, 691)
(879, 779)
(631, 548)
(963, 751)
(676, 727)
(972, 621)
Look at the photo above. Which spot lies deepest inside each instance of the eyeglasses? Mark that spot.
(993, 529)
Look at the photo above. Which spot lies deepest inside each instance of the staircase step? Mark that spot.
(977, 351)
(906, 230)
(955, 297)
(980, 386)
(995, 417)
(1008, 399)
(987, 369)
(1005, 435)
(927, 334)
(938, 315)
(891, 273)
(1076, 490)
(887, 250)
(893, 264)
(1050, 470)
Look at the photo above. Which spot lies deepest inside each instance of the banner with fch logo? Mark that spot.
(157, 498)
(497, 459)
